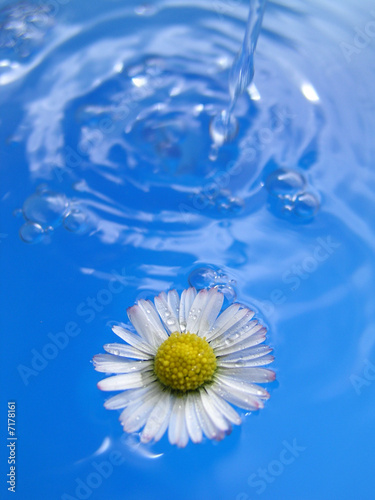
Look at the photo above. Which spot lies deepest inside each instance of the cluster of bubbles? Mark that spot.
(220, 200)
(211, 276)
(288, 190)
(45, 210)
(23, 26)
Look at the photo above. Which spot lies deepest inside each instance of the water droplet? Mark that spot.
(202, 277)
(283, 182)
(45, 208)
(306, 205)
(231, 205)
(223, 128)
(170, 321)
(31, 232)
(76, 221)
(228, 292)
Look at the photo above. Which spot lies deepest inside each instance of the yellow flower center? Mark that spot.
(184, 362)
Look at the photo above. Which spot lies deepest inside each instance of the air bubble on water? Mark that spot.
(306, 205)
(76, 221)
(223, 127)
(31, 232)
(284, 182)
(228, 291)
(206, 277)
(46, 208)
(202, 277)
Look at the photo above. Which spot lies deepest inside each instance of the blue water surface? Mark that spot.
(113, 189)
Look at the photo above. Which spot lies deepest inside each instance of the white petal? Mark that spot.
(125, 398)
(209, 314)
(147, 322)
(187, 299)
(247, 354)
(126, 351)
(196, 311)
(245, 363)
(240, 325)
(164, 425)
(192, 423)
(243, 395)
(108, 363)
(135, 415)
(167, 306)
(239, 385)
(177, 432)
(205, 421)
(239, 334)
(158, 419)
(253, 340)
(226, 409)
(222, 320)
(215, 415)
(157, 327)
(126, 381)
(174, 302)
(240, 318)
(247, 402)
(261, 375)
(133, 340)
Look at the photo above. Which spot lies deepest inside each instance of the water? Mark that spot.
(111, 193)
(224, 126)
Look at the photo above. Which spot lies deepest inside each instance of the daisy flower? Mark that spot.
(186, 366)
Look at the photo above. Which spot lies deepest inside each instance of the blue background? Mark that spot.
(320, 313)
